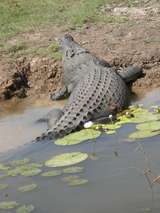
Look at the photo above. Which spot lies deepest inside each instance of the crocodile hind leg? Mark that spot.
(51, 118)
(131, 74)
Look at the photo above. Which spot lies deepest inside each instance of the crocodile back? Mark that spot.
(76, 60)
(100, 92)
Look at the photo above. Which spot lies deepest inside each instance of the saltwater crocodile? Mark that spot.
(78, 61)
(97, 90)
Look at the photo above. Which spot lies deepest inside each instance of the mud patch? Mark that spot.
(135, 41)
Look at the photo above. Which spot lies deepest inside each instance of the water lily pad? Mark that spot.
(70, 178)
(110, 132)
(8, 205)
(3, 186)
(151, 126)
(26, 170)
(144, 117)
(35, 165)
(112, 126)
(13, 172)
(25, 209)
(52, 173)
(77, 182)
(78, 137)
(66, 159)
(31, 172)
(143, 134)
(27, 188)
(73, 169)
(4, 167)
(74, 180)
(20, 162)
(137, 115)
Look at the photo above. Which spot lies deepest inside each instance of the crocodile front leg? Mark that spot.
(63, 93)
(60, 94)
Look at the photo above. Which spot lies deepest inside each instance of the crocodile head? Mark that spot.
(69, 47)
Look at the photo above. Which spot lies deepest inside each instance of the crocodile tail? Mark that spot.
(46, 136)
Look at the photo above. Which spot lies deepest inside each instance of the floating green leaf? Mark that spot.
(3, 186)
(78, 137)
(35, 165)
(70, 178)
(73, 169)
(151, 126)
(74, 180)
(26, 170)
(25, 209)
(111, 126)
(8, 205)
(27, 188)
(111, 132)
(31, 172)
(20, 162)
(66, 159)
(137, 115)
(77, 182)
(143, 134)
(4, 167)
(13, 172)
(52, 173)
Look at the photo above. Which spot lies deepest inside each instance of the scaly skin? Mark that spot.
(97, 90)
(99, 93)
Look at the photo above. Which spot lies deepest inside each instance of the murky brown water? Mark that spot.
(18, 121)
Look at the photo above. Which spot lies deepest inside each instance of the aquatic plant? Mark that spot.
(26, 170)
(27, 188)
(19, 162)
(78, 137)
(4, 167)
(8, 204)
(74, 180)
(52, 173)
(25, 209)
(3, 186)
(143, 134)
(66, 159)
(73, 169)
(150, 126)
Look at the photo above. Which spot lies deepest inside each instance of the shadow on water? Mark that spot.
(116, 180)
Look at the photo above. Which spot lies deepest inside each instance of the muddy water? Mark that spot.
(18, 122)
(116, 181)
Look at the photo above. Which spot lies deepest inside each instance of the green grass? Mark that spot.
(24, 15)
(20, 16)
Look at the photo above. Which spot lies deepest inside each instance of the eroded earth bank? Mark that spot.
(33, 74)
